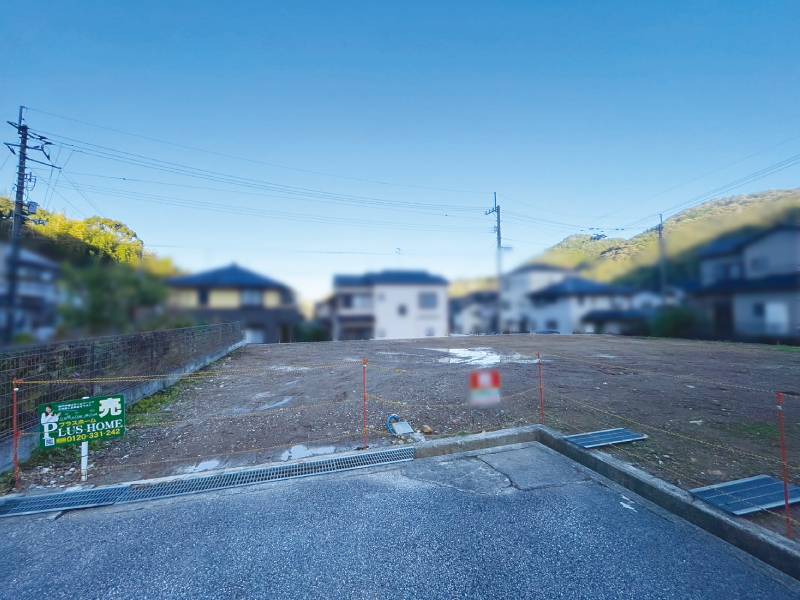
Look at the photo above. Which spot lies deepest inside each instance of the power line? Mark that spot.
(235, 210)
(251, 160)
(730, 186)
(229, 179)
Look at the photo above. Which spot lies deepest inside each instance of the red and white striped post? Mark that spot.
(364, 409)
(541, 388)
(785, 462)
(15, 431)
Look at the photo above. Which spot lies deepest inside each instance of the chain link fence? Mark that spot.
(113, 364)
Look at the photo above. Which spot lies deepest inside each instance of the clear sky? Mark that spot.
(398, 121)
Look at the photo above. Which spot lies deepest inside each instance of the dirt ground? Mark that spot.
(708, 408)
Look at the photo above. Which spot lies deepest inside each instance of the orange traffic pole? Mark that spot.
(785, 462)
(364, 409)
(541, 388)
(15, 431)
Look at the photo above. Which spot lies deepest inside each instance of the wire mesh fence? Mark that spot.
(56, 372)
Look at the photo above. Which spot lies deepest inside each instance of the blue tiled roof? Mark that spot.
(388, 278)
(733, 243)
(578, 286)
(232, 276)
(771, 283)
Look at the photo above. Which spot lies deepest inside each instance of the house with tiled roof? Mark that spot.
(750, 284)
(561, 307)
(389, 305)
(266, 308)
(517, 285)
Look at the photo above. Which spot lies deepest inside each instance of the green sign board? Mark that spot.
(76, 421)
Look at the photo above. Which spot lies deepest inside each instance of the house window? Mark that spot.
(346, 301)
(362, 301)
(552, 324)
(758, 309)
(402, 310)
(202, 297)
(759, 264)
(251, 297)
(428, 300)
(272, 299)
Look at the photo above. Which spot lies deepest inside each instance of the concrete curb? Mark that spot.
(771, 548)
(478, 441)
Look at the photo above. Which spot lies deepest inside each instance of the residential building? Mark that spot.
(562, 306)
(474, 313)
(38, 294)
(389, 305)
(266, 308)
(643, 307)
(515, 306)
(750, 284)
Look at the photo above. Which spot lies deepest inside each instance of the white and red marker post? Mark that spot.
(484, 388)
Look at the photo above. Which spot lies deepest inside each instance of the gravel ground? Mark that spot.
(709, 408)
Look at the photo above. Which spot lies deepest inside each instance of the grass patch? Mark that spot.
(787, 348)
(142, 412)
(757, 430)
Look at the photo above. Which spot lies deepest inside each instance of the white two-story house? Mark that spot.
(750, 284)
(389, 305)
(562, 306)
(515, 305)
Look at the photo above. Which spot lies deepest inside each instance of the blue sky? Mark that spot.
(582, 114)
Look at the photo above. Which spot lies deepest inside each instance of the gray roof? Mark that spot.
(232, 276)
(389, 278)
(578, 286)
(734, 243)
(772, 283)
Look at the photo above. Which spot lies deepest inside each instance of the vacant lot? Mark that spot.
(709, 408)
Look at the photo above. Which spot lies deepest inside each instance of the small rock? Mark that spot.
(44, 470)
(71, 470)
(426, 429)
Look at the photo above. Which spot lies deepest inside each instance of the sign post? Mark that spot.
(81, 421)
(484, 388)
(84, 461)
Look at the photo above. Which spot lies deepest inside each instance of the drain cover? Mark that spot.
(606, 437)
(745, 496)
(178, 487)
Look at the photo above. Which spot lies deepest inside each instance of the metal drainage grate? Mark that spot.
(745, 496)
(179, 487)
(606, 437)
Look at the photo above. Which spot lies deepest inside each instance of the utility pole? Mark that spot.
(662, 260)
(20, 214)
(16, 232)
(496, 211)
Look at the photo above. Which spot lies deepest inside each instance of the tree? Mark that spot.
(108, 298)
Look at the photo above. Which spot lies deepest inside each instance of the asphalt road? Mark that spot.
(516, 523)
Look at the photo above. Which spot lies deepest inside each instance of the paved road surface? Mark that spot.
(510, 523)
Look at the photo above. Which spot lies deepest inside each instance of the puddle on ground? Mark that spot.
(481, 357)
(205, 465)
(262, 395)
(285, 400)
(603, 356)
(302, 451)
